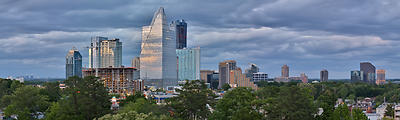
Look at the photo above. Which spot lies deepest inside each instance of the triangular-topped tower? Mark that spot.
(158, 62)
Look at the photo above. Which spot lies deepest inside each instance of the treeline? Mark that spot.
(87, 99)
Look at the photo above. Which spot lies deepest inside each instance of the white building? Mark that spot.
(188, 63)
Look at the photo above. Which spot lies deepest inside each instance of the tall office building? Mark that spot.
(104, 52)
(324, 75)
(204, 75)
(188, 63)
(73, 63)
(224, 70)
(181, 33)
(304, 78)
(252, 69)
(158, 60)
(368, 72)
(285, 71)
(380, 77)
(136, 62)
(356, 76)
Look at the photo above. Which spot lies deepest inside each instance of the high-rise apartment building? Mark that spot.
(188, 63)
(324, 75)
(117, 80)
(368, 72)
(238, 79)
(252, 69)
(380, 77)
(158, 60)
(181, 33)
(224, 70)
(73, 63)
(356, 76)
(285, 71)
(104, 52)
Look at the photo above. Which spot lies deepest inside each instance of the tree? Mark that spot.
(226, 87)
(192, 101)
(25, 101)
(357, 114)
(141, 105)
(389, 110)
(52, 90)
(133, 115)
(341, 113)
(236, 104)
(85, 98)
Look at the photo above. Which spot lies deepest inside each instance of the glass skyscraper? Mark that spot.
(188, 63)
(105, 53)
(181, 33)
(368, 72)
(73, 63)
(158, 60)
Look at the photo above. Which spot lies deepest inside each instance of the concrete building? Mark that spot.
(136, 62)
(104, 52)
(324, 75)
(117, 80)
(356, 76)
(260, 76)
(188, 63)
(181, 33)
(285, 71)
(204, 75)
(158, 60)
(73, 63)
(380, 77)
(252, 69)
(304, 78)
(224, 70)
(368, 72)
(238, 79)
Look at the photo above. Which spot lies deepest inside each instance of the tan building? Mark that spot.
(380, 75)
(238, 79)
(224, 69)
(204, 74)
(285, 71)
(117, 80)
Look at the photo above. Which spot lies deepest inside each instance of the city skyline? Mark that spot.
(39, 47)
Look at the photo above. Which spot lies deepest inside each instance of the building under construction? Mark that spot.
(122, 80)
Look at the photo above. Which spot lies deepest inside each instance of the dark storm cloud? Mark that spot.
(309, 35)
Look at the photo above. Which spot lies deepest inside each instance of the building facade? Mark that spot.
(136, 62)
(285, 71)
(104, 52)
(188, 63)
(158, 60)
(204, 75)
(380, 77)
(181, 33)
(259, 76)
(224, 70)
(238, 79)
(304, 78)
(73, 63)
(117, 80)
(324, 75)
(356, 76)
(368, 72)
(252, 69)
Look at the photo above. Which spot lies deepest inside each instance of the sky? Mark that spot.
(307, 35)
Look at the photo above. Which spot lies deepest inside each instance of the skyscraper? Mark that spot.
(188, 63)
(356, 76)
(368, 72)
(324, 75)
(136, 62)
(158, 60)
(105, 53)
(73, 63)
(380, 77)
(285, 71)
(252, 69)
(181, 33)
(224, 71)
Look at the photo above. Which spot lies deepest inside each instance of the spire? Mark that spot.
(160, 13)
